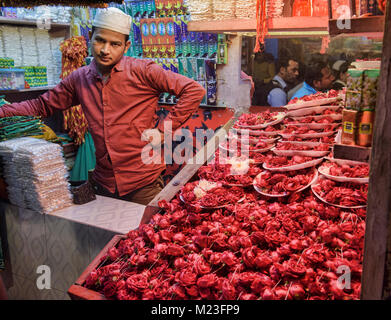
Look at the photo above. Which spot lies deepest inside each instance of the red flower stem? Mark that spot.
(321, 275)
(276, 284)
(154, 263)
(234, 273)
(286, 297)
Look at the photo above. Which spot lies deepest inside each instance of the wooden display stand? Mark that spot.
(355, 153)
(77, 291)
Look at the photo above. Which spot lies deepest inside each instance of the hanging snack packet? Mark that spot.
(369, 92)
(349, 126)
(354, 89)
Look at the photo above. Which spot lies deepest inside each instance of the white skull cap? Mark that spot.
(113, 19)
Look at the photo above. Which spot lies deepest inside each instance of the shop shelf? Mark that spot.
(25, 22)
(372, 26)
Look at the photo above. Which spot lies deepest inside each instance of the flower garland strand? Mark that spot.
(261, 25)
(74, 51)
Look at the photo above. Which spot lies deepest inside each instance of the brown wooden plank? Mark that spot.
(377, 232)
(250, 25)
(149, 211)
(77, 292)
(364, 25)
(94, 263)
(355, 153)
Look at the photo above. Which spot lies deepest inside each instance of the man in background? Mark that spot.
(264, 68)
(274, 93)
(340, 71)
(318, 77)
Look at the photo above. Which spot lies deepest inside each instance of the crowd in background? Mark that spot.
(276, 82)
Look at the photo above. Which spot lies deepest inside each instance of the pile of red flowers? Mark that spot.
(302, 147)
(252, 250)
(217, 196)
(305, 130)
(251, 144)
(316, 96)
(218, 172)
(346, 170)
(255, 132)
(309, 120)
(227, 242)
(347, 194)
(252, 119)
(328, 139)
(276, 162)
(284, 182)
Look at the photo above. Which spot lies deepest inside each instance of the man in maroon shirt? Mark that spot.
(119, 96)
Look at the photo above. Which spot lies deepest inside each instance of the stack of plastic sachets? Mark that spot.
(36, 175)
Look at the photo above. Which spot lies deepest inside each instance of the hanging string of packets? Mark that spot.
(72, 3)
(74, 51)
(20, 126)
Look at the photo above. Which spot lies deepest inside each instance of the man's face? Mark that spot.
(291, 72)
(327, 80)
(108, 47)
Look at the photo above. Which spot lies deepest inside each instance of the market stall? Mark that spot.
(280, 229)
(201, 207)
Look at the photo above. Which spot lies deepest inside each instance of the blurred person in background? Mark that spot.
(264, 68)
(274, 93)
(340, 72)
(318, 77)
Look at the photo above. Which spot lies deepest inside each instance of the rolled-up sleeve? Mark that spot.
(61, 97)
(188, 92)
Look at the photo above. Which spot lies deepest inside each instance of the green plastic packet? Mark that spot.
(354, 89)
(369, 90)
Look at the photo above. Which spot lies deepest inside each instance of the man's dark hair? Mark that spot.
(313, 71)
(284, 62)
(126, 36)
(342, 69)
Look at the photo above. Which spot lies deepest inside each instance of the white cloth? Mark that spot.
(113, 19)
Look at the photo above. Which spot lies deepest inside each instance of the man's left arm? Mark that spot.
(188, 92)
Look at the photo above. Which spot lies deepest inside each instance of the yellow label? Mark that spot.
(365, 128)
(348, 127)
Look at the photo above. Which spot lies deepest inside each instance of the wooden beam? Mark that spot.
(250, 25)
(373, 24)
(330, 9)
(377, 232)
(77, 291)
(355, 153)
